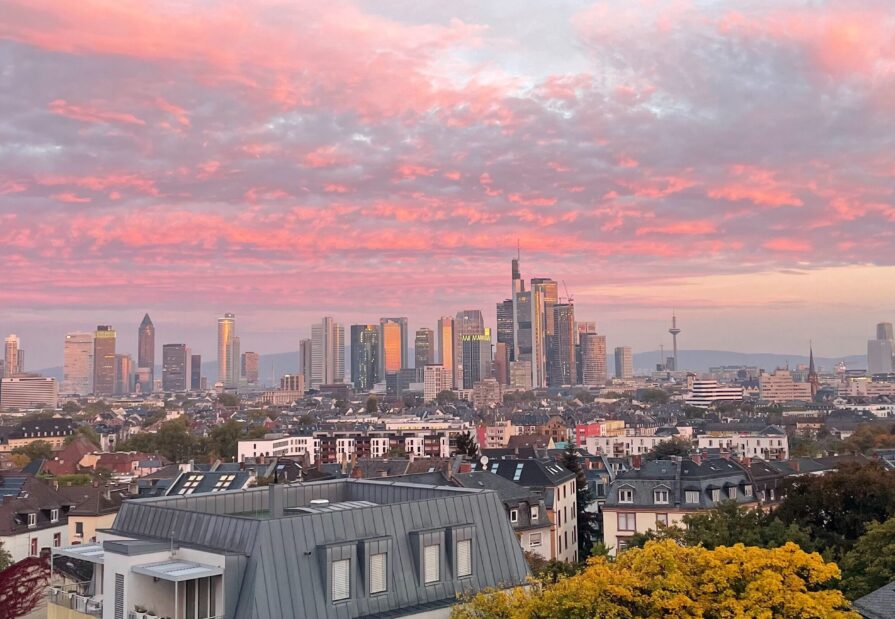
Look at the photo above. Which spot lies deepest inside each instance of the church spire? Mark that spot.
(812, 371)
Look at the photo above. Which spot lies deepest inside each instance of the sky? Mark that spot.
(728, 160)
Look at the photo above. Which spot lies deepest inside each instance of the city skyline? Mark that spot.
(295, 182)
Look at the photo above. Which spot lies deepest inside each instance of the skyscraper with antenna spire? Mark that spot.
(674, 331)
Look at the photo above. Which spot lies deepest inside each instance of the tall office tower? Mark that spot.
(146, 353)
(423, 350)
(505, 325)
(392, 359)
(327, 353)
(674, 331)
(21, 361)
(235, 362)
(11, 359)
(467, 322)
(543, 298)
(593, 359)
(226, 333)
(476, 358)
(884, 331)
(77, 368)
(582, 326)
(364, 357)
(124, 374)
(250, 366)
(500, 366)
(563, 366)
(517, 288)
(104, 370)
(879, 356)
(176, 367)
(522, 336)
(305, 361)
(624, 363)
(196, 372)
(446, 347)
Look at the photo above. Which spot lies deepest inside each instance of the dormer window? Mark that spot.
(534, 514)
(732, 492)
(514, 515)
(716, 495)
(54, 515)
(747, 490)
(32, 520)
(626, 495)
(660, 497)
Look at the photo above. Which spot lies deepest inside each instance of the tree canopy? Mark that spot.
(35, 450)
(672, 447)
(665, 580)
(870, 564)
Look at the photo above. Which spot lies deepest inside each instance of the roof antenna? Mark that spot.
(518, 249)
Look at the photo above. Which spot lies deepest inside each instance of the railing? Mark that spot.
(135, 615)
(67, 596)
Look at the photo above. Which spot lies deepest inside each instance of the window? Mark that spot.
(378, 578)
(224, 482)
(190, 484)
(518, 474)
(534, 540)
(464, 558)
(514, 515)
(621, 543)
(57, 540)
(625, 495)
(32, 520)
(716, 495)
(54, 515)
(660, 496)
(747, 490)
(34, 547)
(431, 564)
(534, 513)
(79, 529)
(662, 519)
(341, 579)
(627, 522)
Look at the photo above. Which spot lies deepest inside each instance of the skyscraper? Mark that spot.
(226, 365)
(563, 366)
(880, 351)
(884, 331)
(518, 287)
(235, 362)
(146, 352)
(250, 367)
(124, 374)
(327, 353)
(77, 371)
(305, 361)
(505, 324)
(196, 372)
(446, 347)
(11, 359)
(467, 322)
(364, 356)
(104, 364)
(624, 363)
(397, 356)
(593, 359)
(500, 365)
(476, 358)
(423, 350)
(582, 326)
(543, 298)
(176, 367)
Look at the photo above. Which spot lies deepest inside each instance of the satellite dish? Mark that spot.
(484, 460)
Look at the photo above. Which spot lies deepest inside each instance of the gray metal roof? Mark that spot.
(178, 571)
(275, 567)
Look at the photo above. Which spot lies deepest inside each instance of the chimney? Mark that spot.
(635, 462)
(465, 467)
(794, 464)
(357, 473)
(7, 499)
(277, 494)
(107, 492)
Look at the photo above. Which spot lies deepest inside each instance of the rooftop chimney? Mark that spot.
(277, 494)
(635, 462)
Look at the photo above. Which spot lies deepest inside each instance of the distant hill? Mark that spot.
(275, 365)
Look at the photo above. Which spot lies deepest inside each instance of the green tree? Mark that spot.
(87, 432)
(95, 408)
(446, 397)
(870, 564)
(5, 558)
(835, 509)
(71, 407)
(466, 445)
(223, 440)
(229, 400)
(672, 447)
(35, 450)
(372, 405)
(653, 396)
(587, 521)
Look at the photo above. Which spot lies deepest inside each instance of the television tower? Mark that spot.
(674, 331)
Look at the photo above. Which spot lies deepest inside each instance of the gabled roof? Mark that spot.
(530, 473)
(879, 604)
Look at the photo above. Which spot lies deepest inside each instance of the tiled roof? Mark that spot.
(879, 604)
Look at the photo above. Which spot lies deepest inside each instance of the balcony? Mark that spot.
(71, 602)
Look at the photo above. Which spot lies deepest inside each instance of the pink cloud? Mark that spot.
(92, 114)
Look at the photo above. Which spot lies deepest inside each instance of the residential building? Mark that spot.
(663, 491)
(362, 548)
(292, 382)
(779, 386)
(250, 367)
(436, 378)
(77, 369)
(563, 363)
(53, 431)
(196, 372)
(557, 486)
(11, 358)
(228, 356)
(33, 516)
(593, 359)
(767, 443)
(176, 367)
(606, 427)
(520, 375)
(104, 367)
(704, 393)
(624, 363)
(92, 508)
(146, 353)
(486, 393)
(28, 391)
(620, 446)
(327, 353)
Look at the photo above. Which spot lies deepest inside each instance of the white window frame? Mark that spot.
(747, 490)
(514, 516)
(378, 573)
(342, 593)
(691, 496)
(54, 515)
(732, 493)
(32, 520)
(661, 496)
(625, 495)
(716, 495)
(534, 513)
(534, 539)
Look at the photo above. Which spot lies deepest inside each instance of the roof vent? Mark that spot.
(319, 502)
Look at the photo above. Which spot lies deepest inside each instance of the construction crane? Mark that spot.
(568, 297)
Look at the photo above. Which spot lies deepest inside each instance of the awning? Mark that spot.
(177, 571)
(87, 552)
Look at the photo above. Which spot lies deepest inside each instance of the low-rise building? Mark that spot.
(33, 516)
(768, 443)
(53, 431)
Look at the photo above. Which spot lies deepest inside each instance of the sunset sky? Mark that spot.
(283, 160)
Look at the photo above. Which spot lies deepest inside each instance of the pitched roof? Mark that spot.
(93, 500)
(879, 604)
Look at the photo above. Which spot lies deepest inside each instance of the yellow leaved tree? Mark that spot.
(665, 581)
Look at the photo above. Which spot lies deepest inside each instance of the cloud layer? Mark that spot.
(384, 155)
